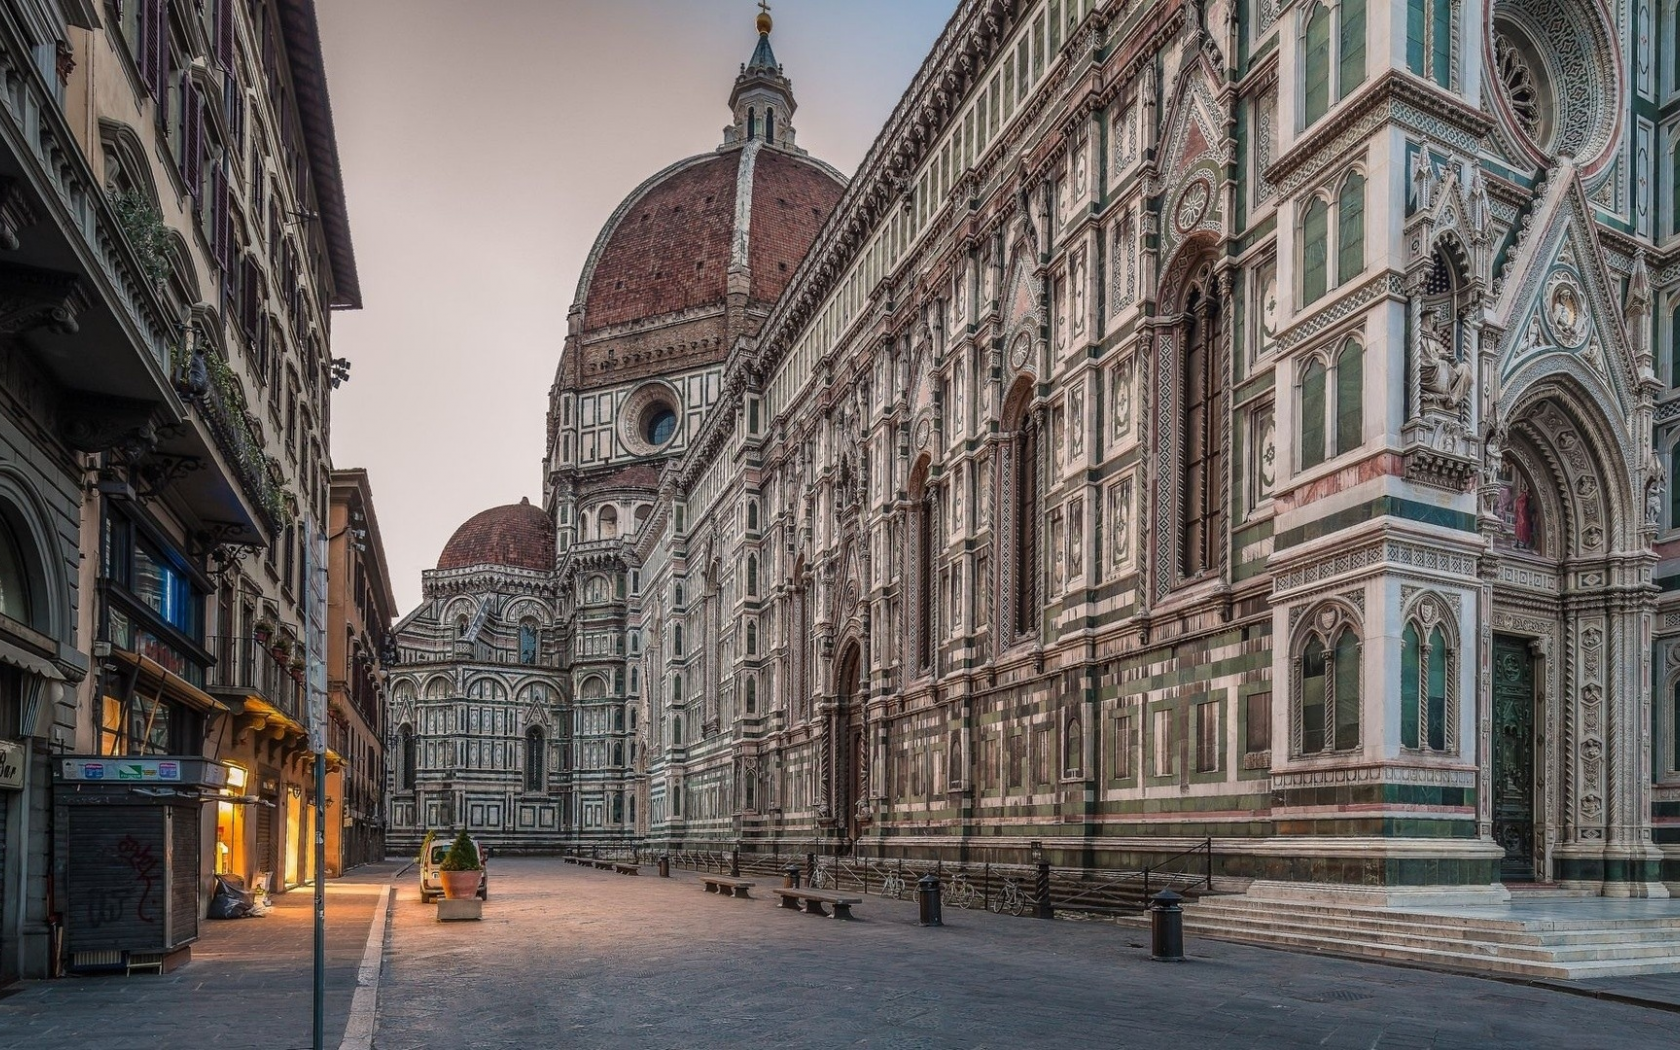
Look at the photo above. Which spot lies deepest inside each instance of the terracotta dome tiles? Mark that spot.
(517, 536)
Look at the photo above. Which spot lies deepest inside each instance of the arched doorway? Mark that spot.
(1564, 793)
(851, 764)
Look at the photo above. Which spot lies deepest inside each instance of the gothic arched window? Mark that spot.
(1327, 694)
(1073, 749)
(921, 555)
(1333, 46)
(1350, 229)
(1202, 458)
(527, 641)
(536, 772)
(1428, 681)
(1332, 403)
(752, 123)
(1429, 32)
(1024, 521)
(752, 575)
(405, 758)
(677, 640)
(770, 125)
(751, 693)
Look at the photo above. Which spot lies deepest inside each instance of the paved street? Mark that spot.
(248, 985)
(568, 957)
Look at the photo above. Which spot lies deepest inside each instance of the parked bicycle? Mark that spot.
(822, 878)
(1009, 898)
(961, 892)
(892, 885)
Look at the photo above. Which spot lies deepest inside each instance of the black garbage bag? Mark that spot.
(231, 899)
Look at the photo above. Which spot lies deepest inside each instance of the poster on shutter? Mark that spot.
(11, 765)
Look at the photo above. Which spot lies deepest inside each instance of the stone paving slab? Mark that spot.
(572, 957)
(249, 984)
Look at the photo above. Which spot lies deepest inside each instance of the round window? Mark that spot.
(658, 425)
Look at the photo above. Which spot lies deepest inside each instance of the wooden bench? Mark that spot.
(723, 884)
(624, 869)
(814, 901)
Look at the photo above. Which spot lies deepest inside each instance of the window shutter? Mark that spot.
(158, 50)
(251, 287)
(223, 219)
(192, 137)
(224, 34)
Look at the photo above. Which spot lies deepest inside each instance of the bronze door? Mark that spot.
(1513, 756)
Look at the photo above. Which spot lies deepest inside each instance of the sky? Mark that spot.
(484, 144)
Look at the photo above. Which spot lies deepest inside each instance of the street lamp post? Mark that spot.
(315, 658)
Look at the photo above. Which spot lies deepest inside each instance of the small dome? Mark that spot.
(518, 536)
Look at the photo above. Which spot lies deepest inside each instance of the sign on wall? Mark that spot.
(11, 765)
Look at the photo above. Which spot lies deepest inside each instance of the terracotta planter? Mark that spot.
(459, 885)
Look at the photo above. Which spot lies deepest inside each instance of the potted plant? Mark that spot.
(263, 631)
(461, 869)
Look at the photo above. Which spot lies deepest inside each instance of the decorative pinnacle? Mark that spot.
(764, 22)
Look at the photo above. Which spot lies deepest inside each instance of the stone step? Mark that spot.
(1448, 958)
(1336, 913)
(1400, 923)
(1262, 931)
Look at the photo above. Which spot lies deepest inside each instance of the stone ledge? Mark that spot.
(470, 910)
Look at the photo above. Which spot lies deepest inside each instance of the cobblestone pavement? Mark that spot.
(572, 958)
(248, 985)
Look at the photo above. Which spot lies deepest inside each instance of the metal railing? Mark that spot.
(1002, 887)
(245, 665)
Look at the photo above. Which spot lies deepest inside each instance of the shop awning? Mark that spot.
(24, 660)
(156, 678)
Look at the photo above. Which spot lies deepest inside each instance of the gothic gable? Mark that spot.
(1557, 300)
(1194, 152)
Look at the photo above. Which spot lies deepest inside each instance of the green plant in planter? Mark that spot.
(143, 225)
(461, 856)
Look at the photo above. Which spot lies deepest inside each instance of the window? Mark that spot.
(922, 561)
(752, 515)
(1024, 521)
(752, 575)
(676, 731)
(16, 600)
(751, 695)
(535, 760)
(1327, 669)
(1120, 760)
(1073, 749)
(1202, 446)
(1428, 675)
(752, 638)
(606, 520)
(1163, 748)
(677, 640)
(406, 774)
(1332, 404)
(1207, 738)
(1257, 723)
(1330, 257)
(1429, 30)
(527, 641)
(1333, 46)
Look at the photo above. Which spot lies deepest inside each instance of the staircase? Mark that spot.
(1560, 939)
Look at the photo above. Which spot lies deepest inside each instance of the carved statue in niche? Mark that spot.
(1444, 380)
(1517, 508)
(1656, 483)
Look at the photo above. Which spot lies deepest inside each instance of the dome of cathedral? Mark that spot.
(738, 219)
(671, 246)
(517, 536)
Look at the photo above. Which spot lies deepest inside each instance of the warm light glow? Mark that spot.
(236, 779)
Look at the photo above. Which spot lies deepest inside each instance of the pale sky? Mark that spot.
(484, 143)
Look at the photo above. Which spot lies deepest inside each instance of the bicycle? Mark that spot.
(961, 893)
(892, 885)
(822, 878)
(1009, 898)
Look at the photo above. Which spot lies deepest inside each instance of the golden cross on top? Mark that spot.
(764, 6)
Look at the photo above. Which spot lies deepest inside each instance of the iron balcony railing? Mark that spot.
(263, 669)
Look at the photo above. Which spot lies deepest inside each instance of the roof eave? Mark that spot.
(309, 82)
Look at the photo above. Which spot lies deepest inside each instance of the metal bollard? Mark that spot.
(1166, 927)
(664, 865)
(734, 863)
(927, 901)
(810, 868)
(790, 877)
(1045, 909)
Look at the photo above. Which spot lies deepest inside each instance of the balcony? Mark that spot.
(262, 683)
(213, 390)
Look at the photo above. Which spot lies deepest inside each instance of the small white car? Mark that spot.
(431, 886)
